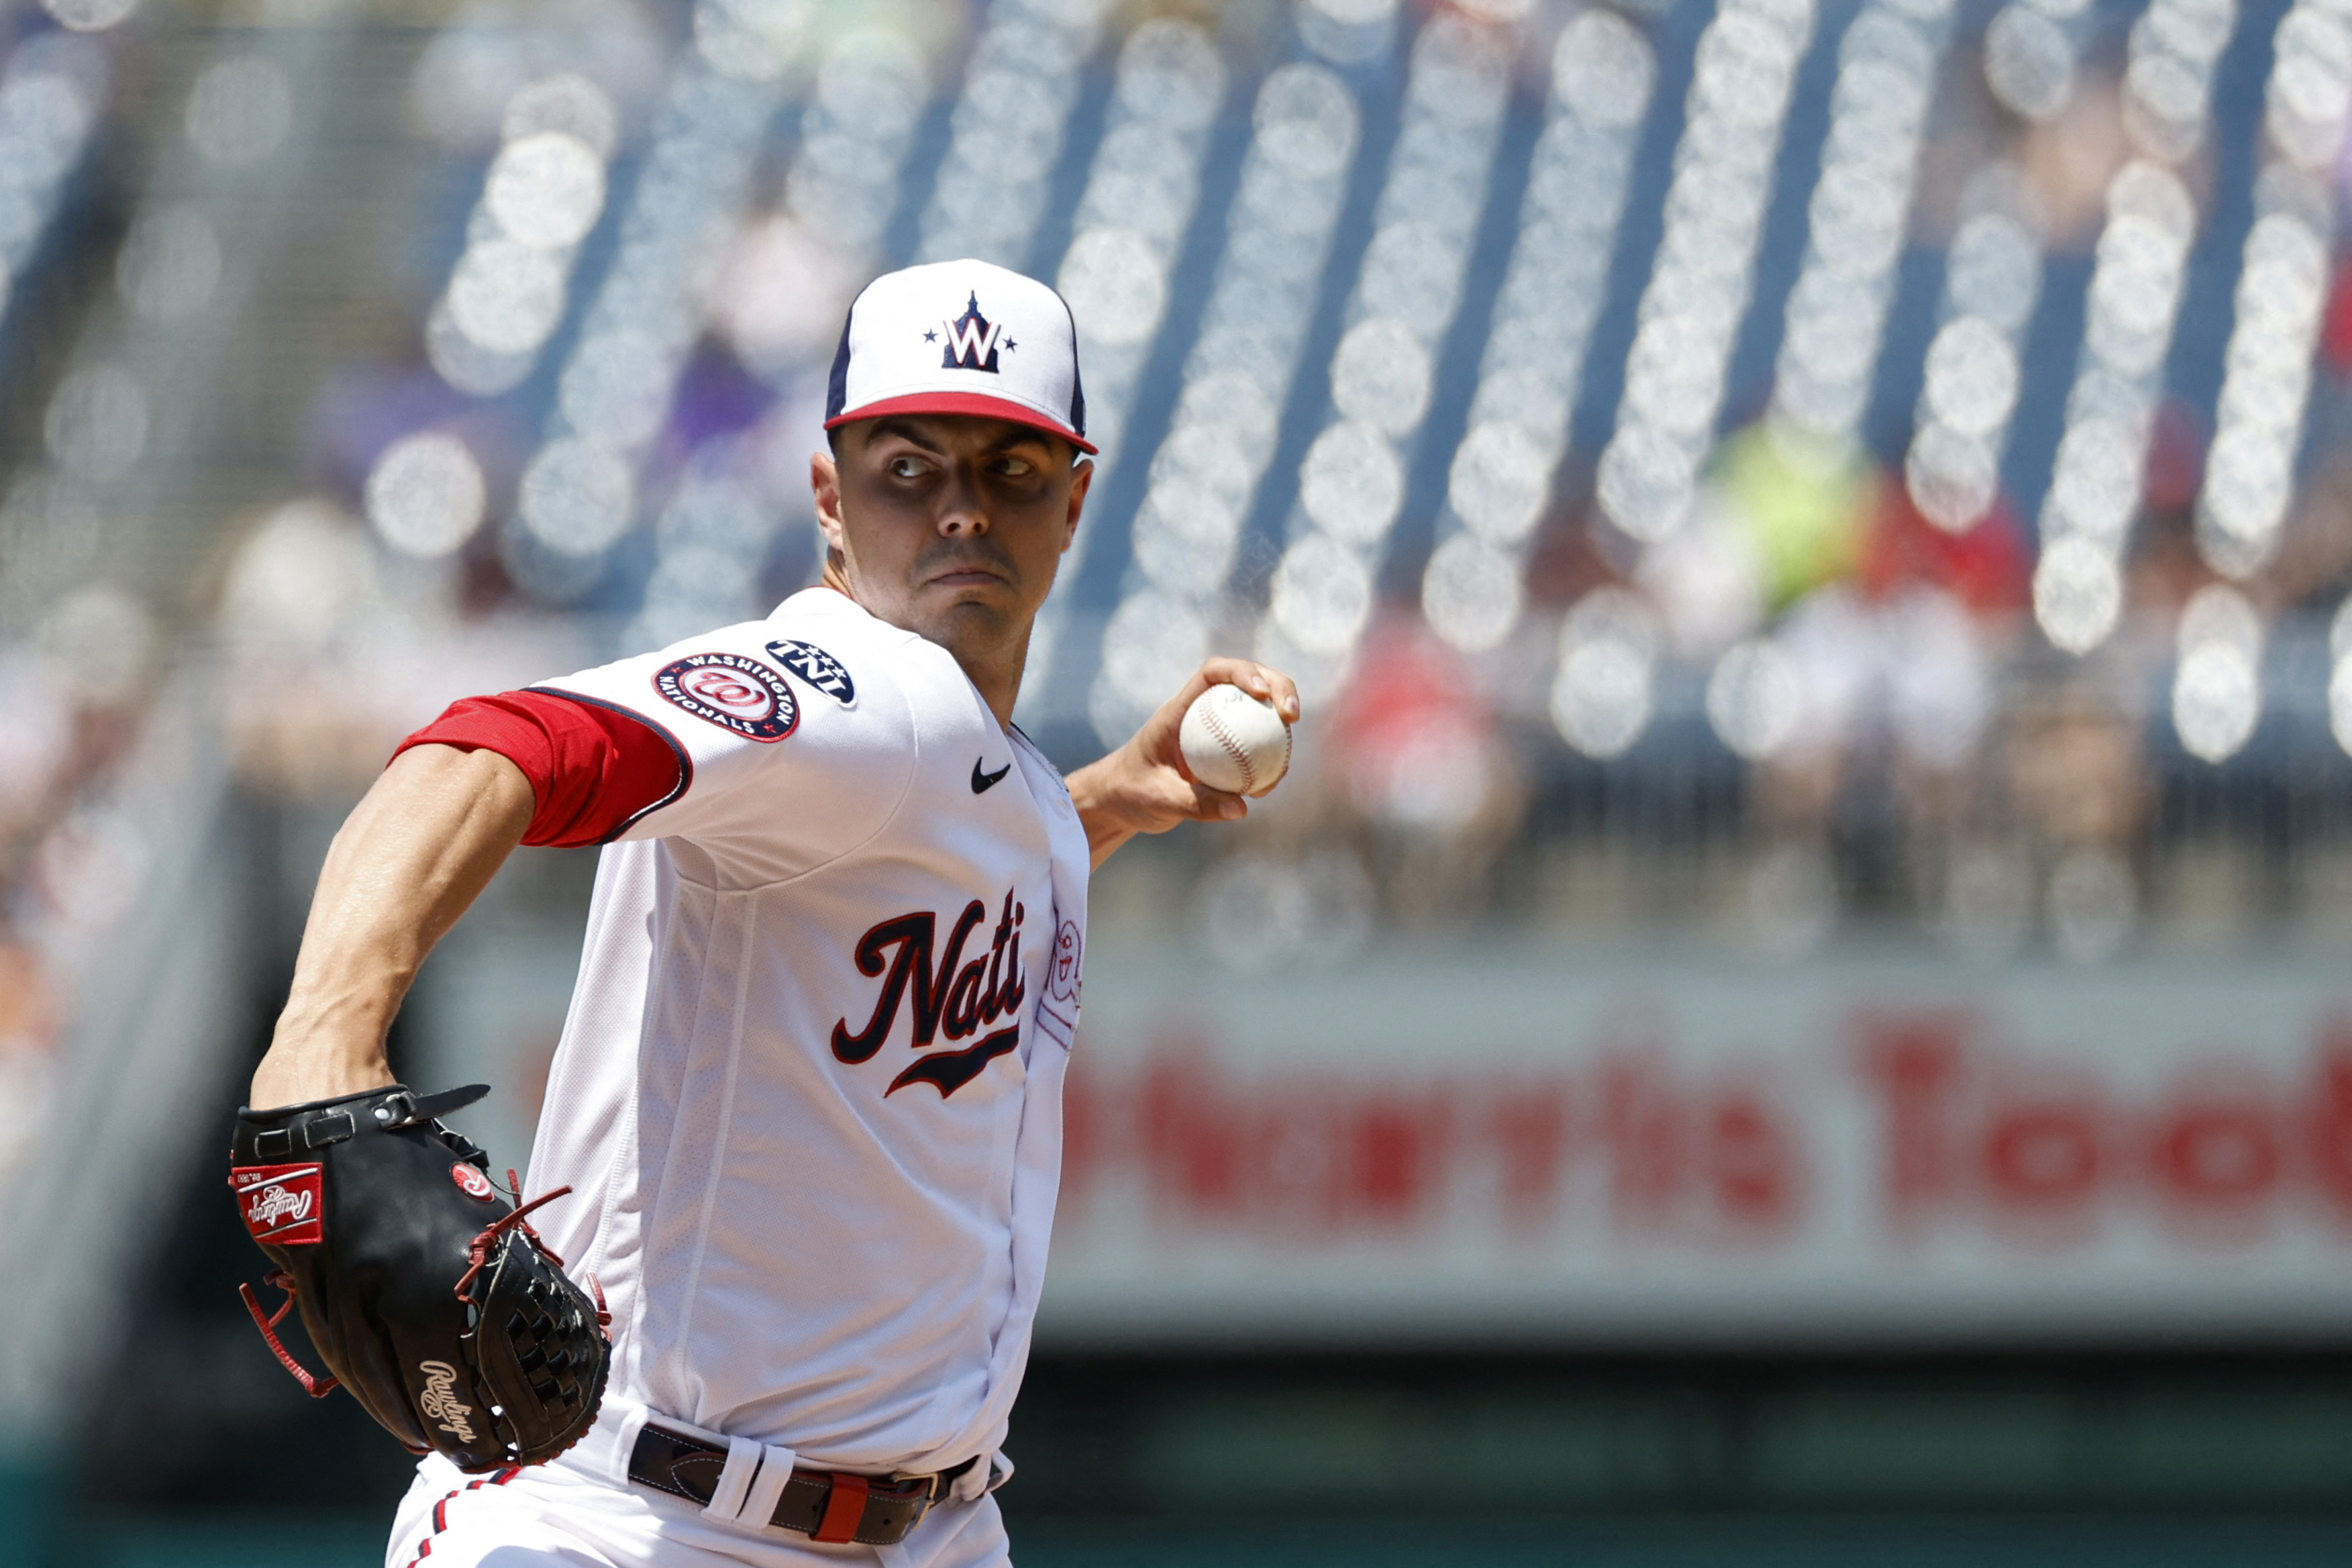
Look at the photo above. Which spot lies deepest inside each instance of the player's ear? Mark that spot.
(824, 489)
(1082, 476)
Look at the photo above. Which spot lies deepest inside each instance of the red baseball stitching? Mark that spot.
(1216, 724)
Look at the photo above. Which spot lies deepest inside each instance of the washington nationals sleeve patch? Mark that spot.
(733, 691)
(817, 667)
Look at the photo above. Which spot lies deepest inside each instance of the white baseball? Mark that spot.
(1233, 742)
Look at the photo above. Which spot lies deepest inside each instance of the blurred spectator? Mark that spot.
(70, 866)
(2335, 330)
(37, 729)
(2314, 568)
(1986, 566)
(1413, 750)
(1567, 554)
(2072, 764)
(29, 1024)
(2069, 159)
(1802, 502)
(2165, 569)
(1706, 578)
(715, 398)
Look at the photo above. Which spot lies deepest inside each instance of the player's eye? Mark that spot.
(904, 467)
(1015, 468)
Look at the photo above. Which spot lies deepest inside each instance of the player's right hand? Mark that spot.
(1143, 786)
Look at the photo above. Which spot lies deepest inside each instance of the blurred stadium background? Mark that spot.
(1793, 1009)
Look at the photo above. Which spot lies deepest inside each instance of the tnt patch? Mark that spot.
(733, 691)
(281, 1204)
(817, 667)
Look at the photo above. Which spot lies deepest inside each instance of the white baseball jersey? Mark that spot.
(808, 1096)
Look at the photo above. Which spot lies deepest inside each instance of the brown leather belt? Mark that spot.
(824, 1505)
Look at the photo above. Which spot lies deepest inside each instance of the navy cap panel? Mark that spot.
(837, 386)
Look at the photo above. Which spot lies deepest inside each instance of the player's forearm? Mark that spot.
(410, 860)
(1103, 794)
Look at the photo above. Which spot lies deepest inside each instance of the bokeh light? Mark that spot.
(91, 16)
(1351, 483)
(546, 188)
(426, 494)
(2077, 593)
(98, 421)
(1322, 595)
(578, 496)
(1471, 594)
(1603, 693)
(2029, 61)
(1116, 285)
(1755, 699)
(1152, 638)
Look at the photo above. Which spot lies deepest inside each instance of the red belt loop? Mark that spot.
(845, 1509)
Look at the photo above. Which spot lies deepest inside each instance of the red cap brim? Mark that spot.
(976, 405)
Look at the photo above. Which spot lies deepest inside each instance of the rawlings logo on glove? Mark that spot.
(439, 1402)
(281, 1202)
(427, 1293)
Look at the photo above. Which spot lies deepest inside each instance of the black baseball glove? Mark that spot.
(426, 1292)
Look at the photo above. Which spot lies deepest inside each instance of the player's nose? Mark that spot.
(963, 514)
(963, 523)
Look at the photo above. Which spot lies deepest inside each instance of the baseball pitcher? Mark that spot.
(765, 1295)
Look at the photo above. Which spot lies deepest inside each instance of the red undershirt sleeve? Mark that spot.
(593, 770)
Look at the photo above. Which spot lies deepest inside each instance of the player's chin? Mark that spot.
(972, 613)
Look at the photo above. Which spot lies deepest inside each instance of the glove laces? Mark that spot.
(316, 1386)
(477, 1255)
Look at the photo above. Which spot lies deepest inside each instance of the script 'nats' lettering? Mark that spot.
(439, 1402)
(960, 998)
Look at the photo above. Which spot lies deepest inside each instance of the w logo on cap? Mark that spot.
(972, 341)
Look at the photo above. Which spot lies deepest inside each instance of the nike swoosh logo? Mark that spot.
(982, 783)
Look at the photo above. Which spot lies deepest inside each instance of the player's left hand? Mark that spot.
(1144, 787)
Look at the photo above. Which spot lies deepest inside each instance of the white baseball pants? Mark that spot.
(552, 1517)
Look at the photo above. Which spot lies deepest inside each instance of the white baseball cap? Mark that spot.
(960, 337)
